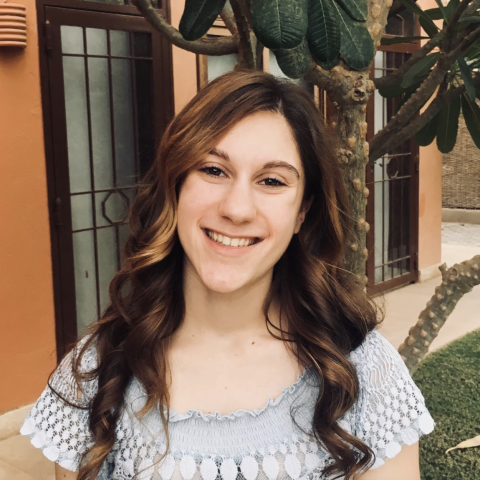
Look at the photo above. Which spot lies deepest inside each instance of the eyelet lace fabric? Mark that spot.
(271, 443)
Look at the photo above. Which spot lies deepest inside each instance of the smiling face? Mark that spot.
(246, 189)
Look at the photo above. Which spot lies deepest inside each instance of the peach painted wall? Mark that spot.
(430, 196)
(184, 65)
(27, 330)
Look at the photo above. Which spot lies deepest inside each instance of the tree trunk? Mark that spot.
(457, 281)
(350, 102)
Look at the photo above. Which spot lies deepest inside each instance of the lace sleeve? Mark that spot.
(58, 429)
(391, 409)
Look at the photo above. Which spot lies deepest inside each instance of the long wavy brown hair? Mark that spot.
(326, 309)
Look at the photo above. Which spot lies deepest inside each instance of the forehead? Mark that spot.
(259, 137)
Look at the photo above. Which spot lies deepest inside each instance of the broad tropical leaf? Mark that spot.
(426, 135)
(198, 16)
(471, 114)
(280, 23)
(448, 125)
(356, 44)
(467, 77)
(323, 33)
(421, 68)
(357, 9)
(294, 62)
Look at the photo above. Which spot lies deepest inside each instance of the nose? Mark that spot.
(238, 203)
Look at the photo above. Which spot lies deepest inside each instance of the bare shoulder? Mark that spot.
(405, 465)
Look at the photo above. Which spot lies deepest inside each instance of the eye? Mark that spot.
(215, 172)
(208, 171)
(273, 179)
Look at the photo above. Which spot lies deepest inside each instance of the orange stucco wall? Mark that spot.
(430, 196)
(27, 336)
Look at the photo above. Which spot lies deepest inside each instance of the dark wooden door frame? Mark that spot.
(413, 275)
(52, 98)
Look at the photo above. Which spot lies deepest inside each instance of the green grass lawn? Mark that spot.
(450, 382)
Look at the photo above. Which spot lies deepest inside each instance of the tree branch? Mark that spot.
(443, 97)
(426, 89)
(229, 20)
(322, 78)
(437, 40)
(394, 77)
(203, 46)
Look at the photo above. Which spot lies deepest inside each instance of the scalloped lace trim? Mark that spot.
(389, 413)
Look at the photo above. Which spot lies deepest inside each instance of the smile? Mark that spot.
(231, 242)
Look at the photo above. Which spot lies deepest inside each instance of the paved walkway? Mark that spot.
(19, 460)
(464, 234)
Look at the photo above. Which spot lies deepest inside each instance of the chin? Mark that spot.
(224, 285)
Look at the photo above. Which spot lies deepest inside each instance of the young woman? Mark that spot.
(236, 346)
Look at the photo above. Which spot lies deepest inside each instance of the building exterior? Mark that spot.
(81, 110)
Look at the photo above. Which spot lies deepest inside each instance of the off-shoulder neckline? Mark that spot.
(176, 416)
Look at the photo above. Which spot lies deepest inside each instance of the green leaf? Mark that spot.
(434, 13)
(448, 125)
(451, 6)
(356, 44)
(471, 114)
(426, 135)
(469, 20)
(421, 68)
(430, 28)
(425, 21)
(294, 62)
(394, 40)
(323, 33)
(442, 10)
(467, 77)
(280, 23)
(198, 16)
(473, 51)
(357, 9)
(391, 90)
(331, 64)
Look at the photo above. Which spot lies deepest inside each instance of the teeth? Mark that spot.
(233, 242)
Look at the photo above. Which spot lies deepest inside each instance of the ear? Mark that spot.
(303, 212)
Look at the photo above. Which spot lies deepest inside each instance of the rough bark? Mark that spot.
(203, 46)
(349, 91)
(351, 126)
(250, 50)
(456, 282)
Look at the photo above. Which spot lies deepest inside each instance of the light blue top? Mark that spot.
(260, 444)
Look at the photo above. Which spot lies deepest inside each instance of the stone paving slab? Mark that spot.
(465, 234)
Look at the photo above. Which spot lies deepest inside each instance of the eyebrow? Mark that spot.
(272, 164)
